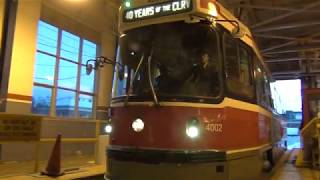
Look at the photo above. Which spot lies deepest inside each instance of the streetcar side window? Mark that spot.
(262, 85)
(231, 57)
(268, 94)
(237, 65)
(258, 73)
(244, 67)
(122, 77)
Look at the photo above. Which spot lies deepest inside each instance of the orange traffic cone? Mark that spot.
(54, 163)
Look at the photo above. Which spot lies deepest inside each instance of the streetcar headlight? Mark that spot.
(138, 125)
(108, 128)
(192, 129)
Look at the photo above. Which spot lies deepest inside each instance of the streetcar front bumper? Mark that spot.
(140, 164)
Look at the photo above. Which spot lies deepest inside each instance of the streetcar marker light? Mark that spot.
(212, 9)
(127, 4)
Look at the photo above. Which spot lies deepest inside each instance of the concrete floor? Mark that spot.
(289, 172)
(17, 169)
(285, 170)
(89, 172)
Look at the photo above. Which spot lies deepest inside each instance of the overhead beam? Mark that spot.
(294, 74)
(287, 26)
(285, 73)
(295, 49)
(291, 59)
(268, 21)
(282, 60)
(273, 8)
(286, 76)
(289, 51)
(271, 36)
(279, 46)
(314, 35)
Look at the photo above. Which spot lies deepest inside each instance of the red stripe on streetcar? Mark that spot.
(165, 128)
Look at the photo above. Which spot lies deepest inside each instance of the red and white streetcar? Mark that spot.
(191, 99)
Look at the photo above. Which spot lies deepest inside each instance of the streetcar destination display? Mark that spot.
(157, 10)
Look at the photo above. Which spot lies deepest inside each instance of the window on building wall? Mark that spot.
(61, 85)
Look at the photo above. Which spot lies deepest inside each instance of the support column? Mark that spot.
(104, 84)
(20, 83)
(2, 14)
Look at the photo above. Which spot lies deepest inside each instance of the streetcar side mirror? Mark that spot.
(89, 68)
(238, 31)
(91, 65)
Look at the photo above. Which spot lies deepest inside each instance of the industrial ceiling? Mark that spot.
(287, 33)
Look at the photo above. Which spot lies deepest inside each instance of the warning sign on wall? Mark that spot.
(15, 127)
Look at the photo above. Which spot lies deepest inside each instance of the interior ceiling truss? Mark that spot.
(287, 33)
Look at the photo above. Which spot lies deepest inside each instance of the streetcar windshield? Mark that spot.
(184, 61)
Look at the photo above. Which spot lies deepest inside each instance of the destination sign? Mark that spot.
(157, 10)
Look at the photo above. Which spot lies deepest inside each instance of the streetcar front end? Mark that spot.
(170, 118)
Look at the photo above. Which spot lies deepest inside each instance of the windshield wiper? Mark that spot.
(156, 102)
(131, 83)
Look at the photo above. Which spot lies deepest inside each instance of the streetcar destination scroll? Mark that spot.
(157, 10)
